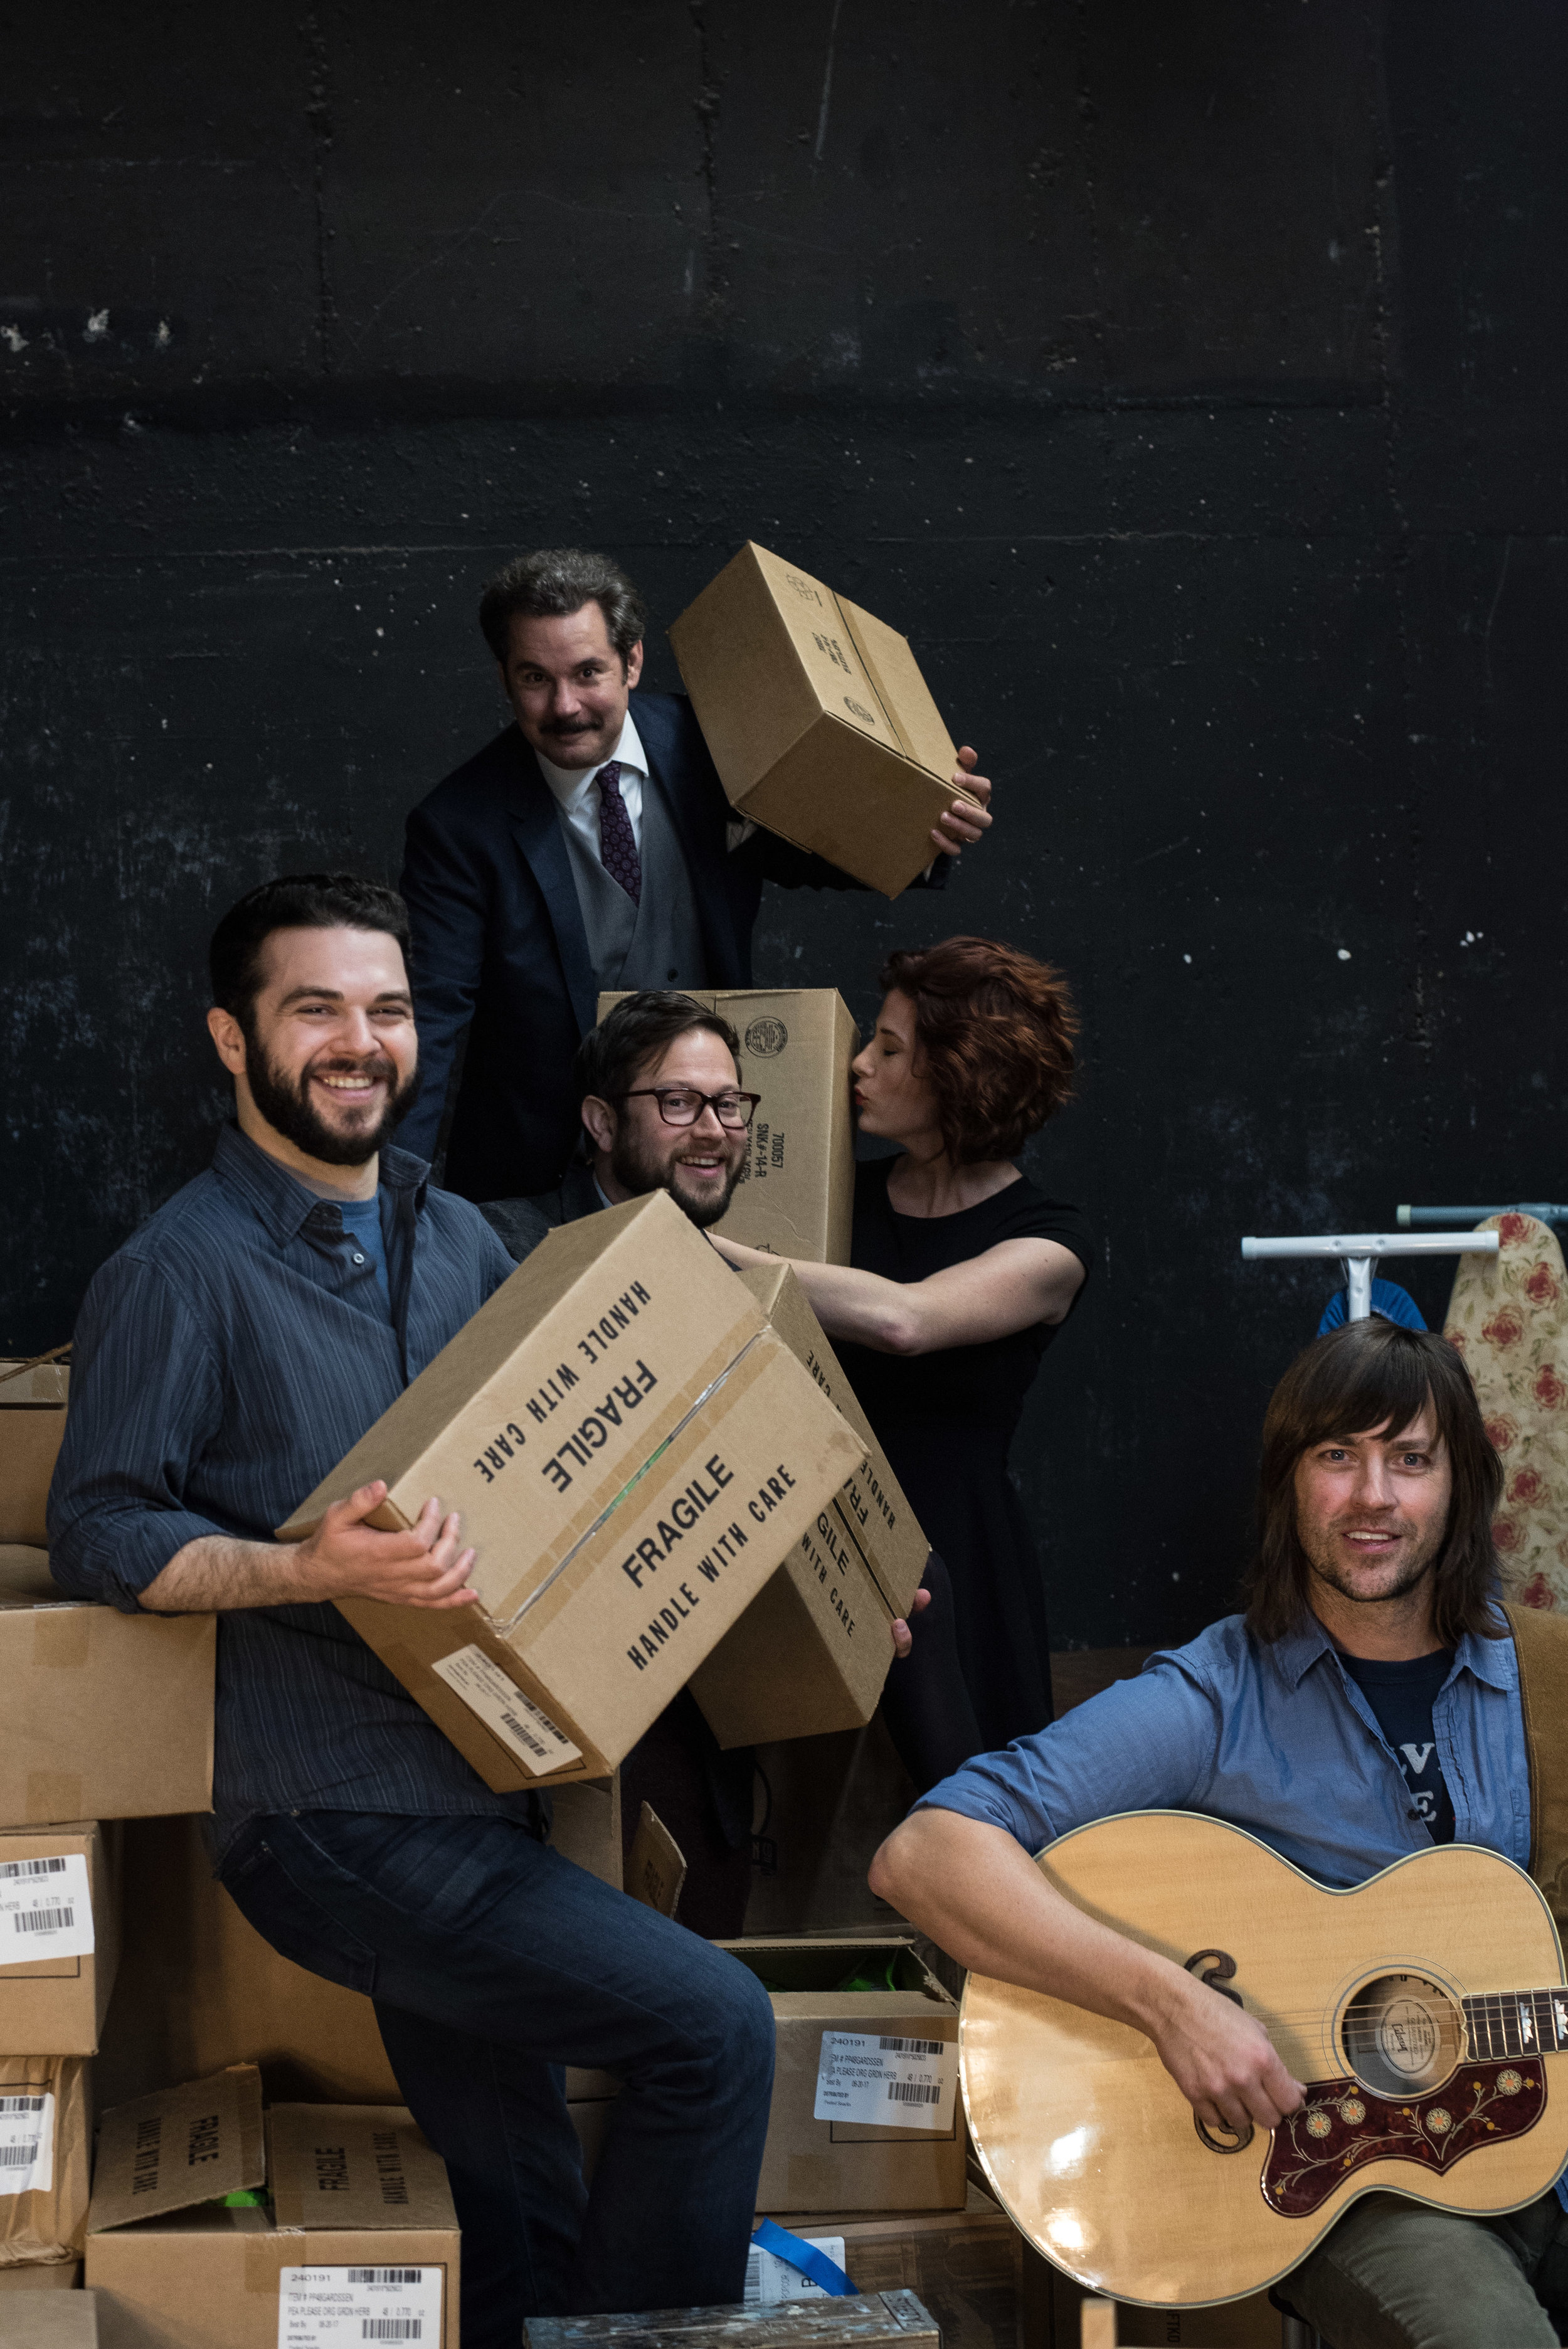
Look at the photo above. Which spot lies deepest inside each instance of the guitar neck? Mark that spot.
(1517, 2022)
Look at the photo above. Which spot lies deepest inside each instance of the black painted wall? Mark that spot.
(1185, 381)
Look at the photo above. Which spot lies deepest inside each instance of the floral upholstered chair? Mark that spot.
(1509, 1317)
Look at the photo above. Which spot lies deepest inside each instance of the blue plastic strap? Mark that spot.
(806, 2256)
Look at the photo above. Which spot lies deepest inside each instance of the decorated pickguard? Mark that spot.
(1343, 2128)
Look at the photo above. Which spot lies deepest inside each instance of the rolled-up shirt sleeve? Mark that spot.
(146, 1396)
(1142, 1745)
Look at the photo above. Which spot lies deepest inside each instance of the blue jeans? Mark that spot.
(493, 1963)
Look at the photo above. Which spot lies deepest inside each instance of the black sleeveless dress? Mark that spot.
(946, 1421)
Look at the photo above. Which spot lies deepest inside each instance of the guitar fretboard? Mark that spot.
(1517, 2022)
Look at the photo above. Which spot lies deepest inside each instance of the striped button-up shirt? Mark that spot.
(225, 1360)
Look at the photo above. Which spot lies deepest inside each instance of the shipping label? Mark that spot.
(887, 2082)
(333, 2308)
(515, 1719)
(26, 2141)
(46, 1909)
(769, 2278)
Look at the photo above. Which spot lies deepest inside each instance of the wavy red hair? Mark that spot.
(996, 1030)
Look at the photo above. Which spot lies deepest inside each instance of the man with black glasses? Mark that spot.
(662, 1106)
(663, 1110)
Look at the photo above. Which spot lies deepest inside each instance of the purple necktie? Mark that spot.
(618, 848)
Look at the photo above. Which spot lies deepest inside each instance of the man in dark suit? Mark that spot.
(590, 845)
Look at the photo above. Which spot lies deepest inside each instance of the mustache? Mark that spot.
(564, 726)
(377, 1065)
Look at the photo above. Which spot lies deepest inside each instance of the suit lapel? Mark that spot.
(536, 828)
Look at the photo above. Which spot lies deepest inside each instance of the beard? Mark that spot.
(284, 1102)
(1326, 1566)
(640, 1172)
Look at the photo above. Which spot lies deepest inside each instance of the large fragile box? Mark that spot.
(104, 1715)
(797, 1196)
(59, 1936)
(33, 1398)
(830, 1608)
(46, 2149)
(634, 1451)
(359, 2240)
(819, 719)
(863, 2029)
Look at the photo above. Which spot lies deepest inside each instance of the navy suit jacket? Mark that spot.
(500, 949)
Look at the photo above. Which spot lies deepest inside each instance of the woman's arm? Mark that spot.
(1008, 1287)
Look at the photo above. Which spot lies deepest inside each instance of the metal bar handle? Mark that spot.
(1370, 1243)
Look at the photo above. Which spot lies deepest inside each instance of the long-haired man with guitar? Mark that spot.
(1370, 2094)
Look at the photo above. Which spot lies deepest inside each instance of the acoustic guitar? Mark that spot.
(1424, 2014)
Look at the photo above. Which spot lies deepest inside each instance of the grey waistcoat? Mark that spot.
(657, 943)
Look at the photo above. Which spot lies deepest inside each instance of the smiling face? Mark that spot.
(891, 1094)
(698, 1165)
(1372, 1510)
(326, 1059)
(569, 686)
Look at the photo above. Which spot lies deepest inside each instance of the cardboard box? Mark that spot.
(48, 2275)
(59, 1895)
(44, 2318)
(830, 1606)
(358, 2200)
(104, 1715)
(32, 1429)
(819, 723)
(46, 2131)
(813, 2161)
(964, 2265)
(634, 1451)
(797, 1197)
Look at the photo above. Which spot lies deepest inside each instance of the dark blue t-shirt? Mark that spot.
(1401, 1696)
(362, 1222)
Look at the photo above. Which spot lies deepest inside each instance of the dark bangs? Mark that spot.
(1364, 1376)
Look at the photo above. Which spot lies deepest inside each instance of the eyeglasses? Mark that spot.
(681, 1105)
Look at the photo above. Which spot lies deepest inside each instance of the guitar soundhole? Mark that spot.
(1402, 2036)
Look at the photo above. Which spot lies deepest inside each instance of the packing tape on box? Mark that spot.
(508, 1627)
(805, 2257)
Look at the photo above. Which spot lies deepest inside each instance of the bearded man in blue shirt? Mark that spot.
(225, 1360)
(1366, 1706)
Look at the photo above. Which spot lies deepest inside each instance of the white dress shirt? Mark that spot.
(577, 789)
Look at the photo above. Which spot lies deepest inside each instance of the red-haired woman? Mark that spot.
(961, 1274)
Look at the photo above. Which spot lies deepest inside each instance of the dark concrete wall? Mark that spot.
(1187, 384)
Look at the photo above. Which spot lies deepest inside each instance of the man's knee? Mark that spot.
(743, 2017)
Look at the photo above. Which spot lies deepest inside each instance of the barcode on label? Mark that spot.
(534, 1744)
(913, 2092)
(911, 2047)
(385, 2275)
(43, 1920)
(392, 2328)
(19, 2157)
(12, 1868)
(22, 2104)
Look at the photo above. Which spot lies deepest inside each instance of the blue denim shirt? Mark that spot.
(225, 1360)
(1278, 1740)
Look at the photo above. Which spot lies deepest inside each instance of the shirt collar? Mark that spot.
(281, 1203)
(1493, 1662)
(569, 785)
